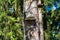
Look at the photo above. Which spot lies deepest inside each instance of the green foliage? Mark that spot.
(11, 23)
(47, 35)
(52, 18)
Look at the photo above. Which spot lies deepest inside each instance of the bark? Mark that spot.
(41, 25)
(40, 21)
(30, 10)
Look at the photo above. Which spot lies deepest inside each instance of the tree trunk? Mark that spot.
(40, 21)
(41, 25)
(31, 28)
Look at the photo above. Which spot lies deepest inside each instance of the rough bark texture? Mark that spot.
(41, 25)
(40, 21)
(31, 28)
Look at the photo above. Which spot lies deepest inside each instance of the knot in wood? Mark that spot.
(40, 5)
